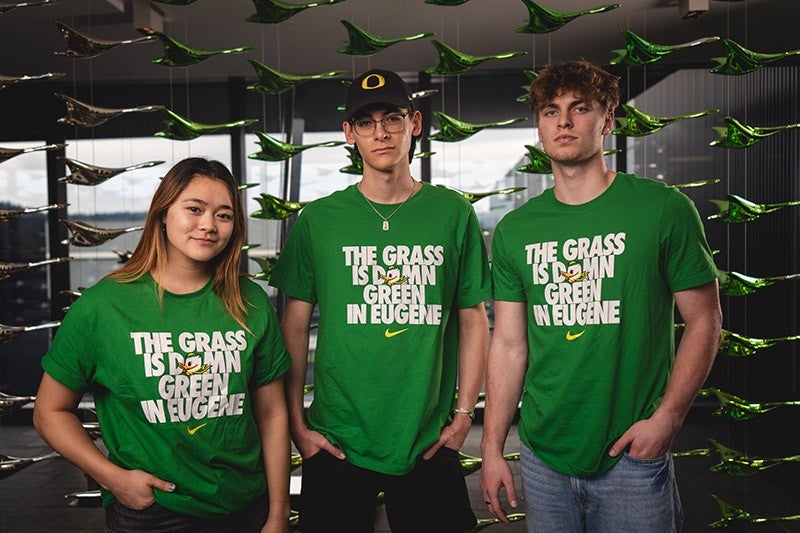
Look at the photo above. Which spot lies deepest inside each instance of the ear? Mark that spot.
(416, 121)
(609, 123)
(349, 134)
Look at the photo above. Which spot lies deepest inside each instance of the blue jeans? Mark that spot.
(635, 496)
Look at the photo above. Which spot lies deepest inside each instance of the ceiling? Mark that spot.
(307, 42)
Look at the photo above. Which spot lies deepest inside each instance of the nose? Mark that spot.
(208, 222)
(564, 121)
(380, 131)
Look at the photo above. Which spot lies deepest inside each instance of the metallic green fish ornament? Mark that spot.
(699, 183)
(735, 345)
(639, 52)
(6, 7)
(274, 150)
(740, 60)
(7, 269)
(266, 264)
(10, 403)
(271, 81)
(82, 46)
(176, 2)
(453, 130)
(540, 162)
(543, 20)
(82, 114)
(735, 408)
(531, 75)
(732, 514)
(8, 153)
(9, 332)
(356, 165)
(85, 235)
(738, 135)
(363, 43)
(470, 463)
(84, 498)
(736, 284)
(275, 11)
(179, 128)
(452, 62)
(483, 523)
(473, 197)
(636, 123)
(11, 465)
(7, 81)
(274, 208)
(738, 209)
(736, 463)
(177, 54)
(11, 214)
(85, 174)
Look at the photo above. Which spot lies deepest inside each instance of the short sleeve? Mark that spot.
(507, 285)
(475, 282)
(272, 360)
(294, 271)
(71, 359)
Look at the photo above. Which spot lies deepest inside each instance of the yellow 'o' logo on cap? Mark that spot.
(367, 84)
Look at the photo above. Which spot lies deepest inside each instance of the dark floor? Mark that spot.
(33, 499)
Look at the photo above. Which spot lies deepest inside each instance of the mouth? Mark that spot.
(383, 150)
(565, 138)
(205, 242)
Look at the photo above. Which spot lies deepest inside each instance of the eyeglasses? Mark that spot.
(393, 123)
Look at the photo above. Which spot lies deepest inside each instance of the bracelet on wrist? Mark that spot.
(470, 414)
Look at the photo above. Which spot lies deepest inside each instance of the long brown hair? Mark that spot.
(151, 252)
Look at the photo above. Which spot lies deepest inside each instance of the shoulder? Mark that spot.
(441, 193)
(332, 201)
(252, 291)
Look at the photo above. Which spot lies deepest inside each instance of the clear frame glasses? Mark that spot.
(393, 123)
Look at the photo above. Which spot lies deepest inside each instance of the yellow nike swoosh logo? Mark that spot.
(571, 337)
(192, 431)
(389, 334)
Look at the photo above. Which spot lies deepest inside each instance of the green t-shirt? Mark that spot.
(387, 344)
(597, 280)
(172, 388)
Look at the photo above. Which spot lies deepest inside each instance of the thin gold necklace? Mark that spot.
(386, 219)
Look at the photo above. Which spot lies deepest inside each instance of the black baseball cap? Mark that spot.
(377, 86)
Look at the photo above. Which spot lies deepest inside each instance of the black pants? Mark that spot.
(121, 519)
(339, 496)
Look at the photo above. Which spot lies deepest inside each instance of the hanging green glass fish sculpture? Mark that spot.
(483, 523)
(541, 163)
(699, 183)
(738, 135)
(736, 284)
(452, 62)
(735, 408)
(275, 11)
(8, 153)
(732, 514)
(475, 196)
(85, 174)
(9, 332)
(736, 463)
(543, 20)
(738, 209)
(274, 208)
(454, 130)
(7, 81)
(274, 150)
(636, 123)
(271, 81)
(7, 269)
(446, 2)
(740, 60)
(85, 235)
(735, 345)
(11, 214)
(363, 43)
(266, 264)
(10, 403)
(176, 2)
(83, 47)
(82, 114)
(179, 128)
(639, 52)
(177, 54)
(6, 7)
(84, 498)
(531, 75)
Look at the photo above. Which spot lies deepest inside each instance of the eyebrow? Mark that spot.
(201, 201)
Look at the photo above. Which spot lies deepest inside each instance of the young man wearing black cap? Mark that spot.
(399, 271)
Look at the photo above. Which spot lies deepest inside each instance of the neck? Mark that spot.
(388, 188)
(578, 184)
(182, 279)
